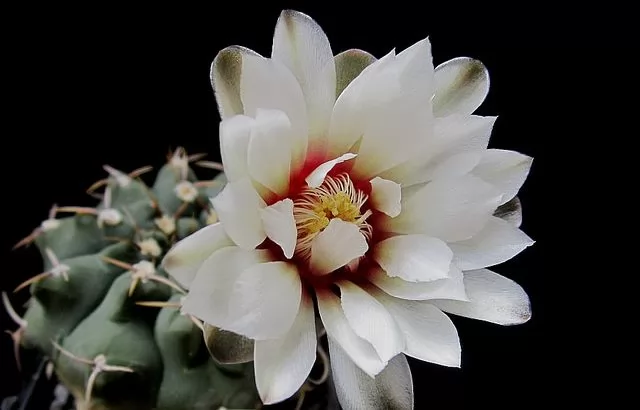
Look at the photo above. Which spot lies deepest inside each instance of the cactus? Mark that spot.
(106, 315)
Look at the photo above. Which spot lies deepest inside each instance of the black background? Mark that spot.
(87, 87)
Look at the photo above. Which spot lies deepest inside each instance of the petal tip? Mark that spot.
(317, 176)
(226, 61)
(520, 314)
(288, 14)
(268, 398)
(454, 361)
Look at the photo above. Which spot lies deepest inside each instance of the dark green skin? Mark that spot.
(142, 212)
(58, 306)
(163, 189)
(93, 314)
(191, 378)
(120, 330)
(77, 235)
(221, 181)
(187, 226)
(134, 192)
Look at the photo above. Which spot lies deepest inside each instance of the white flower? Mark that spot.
(372, 189)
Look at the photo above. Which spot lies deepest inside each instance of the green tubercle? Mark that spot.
(191, 378)
(60, 303)
(118, 329)
(73, 236)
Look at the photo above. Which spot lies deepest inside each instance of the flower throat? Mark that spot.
(314, 208)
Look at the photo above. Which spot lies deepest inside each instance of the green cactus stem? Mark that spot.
(174, 187)
(125, 188)
(187, 226)
(191, 379)
(94, 310)
(74, 236)
(119, 330)
(60, 303)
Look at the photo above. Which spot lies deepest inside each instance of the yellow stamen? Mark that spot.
(337, 197)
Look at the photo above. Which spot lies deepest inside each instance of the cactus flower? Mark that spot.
(360, 192)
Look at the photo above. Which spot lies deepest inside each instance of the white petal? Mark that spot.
(450, 166)
(510, 212)
(268, 84)
(450, 288)
(280, 225)
(392, 389)
(185, 258)
(317, 176)
(350, 113)
(492, 298)
(462, 133)
(506, 170)
(265, 300)
(370, 320)
(235, 133)
(226, 72)
(338, 329)
(385, 196)
(451, 150)
(238, 207)
(397, 124)
(301, 45)
(228, 347)
(349, 65)
(497, 242)
(338, 244)
(270, 148)
(208, 297)
(461, 86)
(282, 365)
(451, 209)
(430, 335)
(414, 258)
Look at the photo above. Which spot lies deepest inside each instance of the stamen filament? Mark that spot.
(337, 197)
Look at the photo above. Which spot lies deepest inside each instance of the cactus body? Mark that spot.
(120, 330)
(97, 312)
(75, 236)
(190, 375)
(58, 305)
